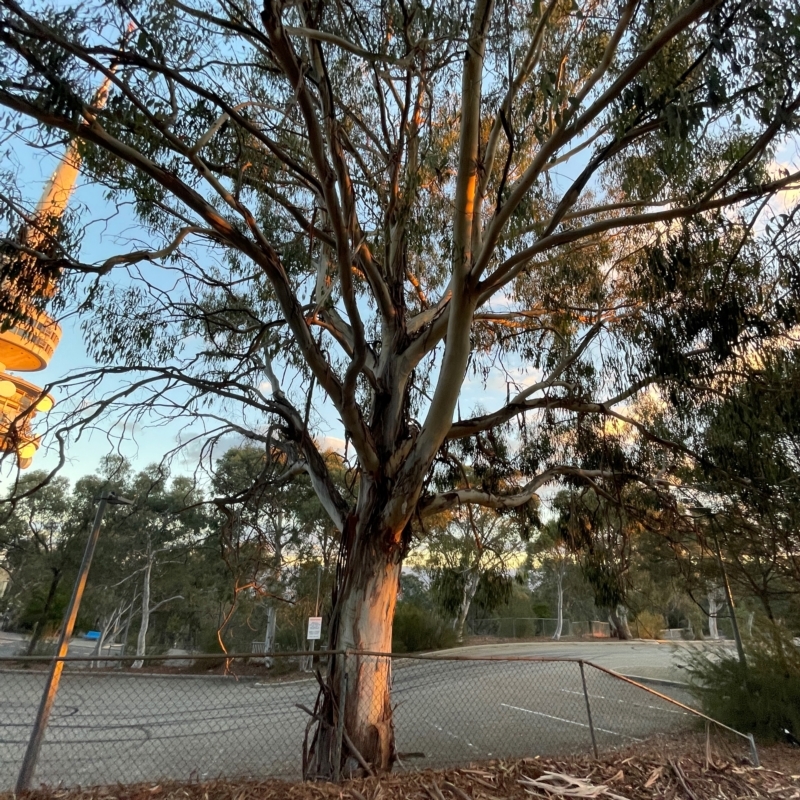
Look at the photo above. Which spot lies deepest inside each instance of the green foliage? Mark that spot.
(754, 432)
(417, 629)
(216, 572)
(764, 697)
(751, 481)
(447, 586)
(43, 609)
(416, 591)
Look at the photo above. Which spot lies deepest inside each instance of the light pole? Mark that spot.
(729, 597)
(725, 584)
(56, 668)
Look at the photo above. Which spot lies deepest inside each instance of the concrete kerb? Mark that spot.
(658, 681)
(572, 642)
(108, 671)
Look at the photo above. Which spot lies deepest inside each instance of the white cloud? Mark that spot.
(328, 443)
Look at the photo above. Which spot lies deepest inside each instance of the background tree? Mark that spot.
(750, 481)
(271, 530)
(619, 544)
(375, 199)
(166, 524)
(39, 544)
(550, 551)
(471, 545)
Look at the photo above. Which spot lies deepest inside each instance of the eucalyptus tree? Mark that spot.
(375, 201)
(472, 543)
(165, 524)
(628, 547)
(753, 496)
(263, 527)
(38, 541)
(550, 549)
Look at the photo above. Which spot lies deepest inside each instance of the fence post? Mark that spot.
(337, 765)
(588, 709)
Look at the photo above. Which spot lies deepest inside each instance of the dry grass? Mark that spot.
(671, 769)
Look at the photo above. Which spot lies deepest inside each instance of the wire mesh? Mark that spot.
(457, 711)
(118, 725)
(623, 712)
(111, 726)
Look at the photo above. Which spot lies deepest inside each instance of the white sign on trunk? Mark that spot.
(314, 628)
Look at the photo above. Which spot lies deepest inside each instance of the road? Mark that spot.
(644, 658)
(109, 728)
(15, 644)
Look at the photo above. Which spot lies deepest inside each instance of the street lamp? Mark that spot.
(702, 511)
(57, 667)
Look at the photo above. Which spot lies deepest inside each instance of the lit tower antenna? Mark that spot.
(29, 338)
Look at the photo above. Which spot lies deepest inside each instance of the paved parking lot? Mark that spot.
(645, 658)
(109, 728)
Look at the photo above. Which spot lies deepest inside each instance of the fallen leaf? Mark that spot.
(654, 776)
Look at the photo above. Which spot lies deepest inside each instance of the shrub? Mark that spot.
(762, 698)
(649, 624)
(417, 629)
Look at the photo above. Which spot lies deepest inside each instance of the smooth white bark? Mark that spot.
(269, 638)
(713, 609)
(560, 590)
(141, 639)
(470, 587)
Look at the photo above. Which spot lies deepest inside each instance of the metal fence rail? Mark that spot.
(118, 725)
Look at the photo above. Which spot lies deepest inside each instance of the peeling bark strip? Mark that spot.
(387, 202)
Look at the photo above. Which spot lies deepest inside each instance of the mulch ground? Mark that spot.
(667, 768)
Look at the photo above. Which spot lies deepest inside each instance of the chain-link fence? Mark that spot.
(232, 718)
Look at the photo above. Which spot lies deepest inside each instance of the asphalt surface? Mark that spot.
(644, 658)
(109, 728)
(14, 644)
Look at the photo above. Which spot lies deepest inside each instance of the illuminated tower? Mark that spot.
(28, 344)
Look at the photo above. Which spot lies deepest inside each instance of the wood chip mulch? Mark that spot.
(670, 769)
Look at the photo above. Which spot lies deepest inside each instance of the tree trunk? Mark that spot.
(111, 621)
(40, 626)
(470, 587)
(361, 623)
(622, 613)
(128, 624)
(713, 608)
(619, 622)
(560, 613)
(269, 638)
(141, 641)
